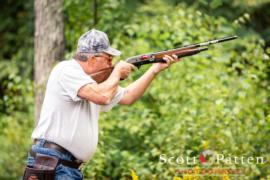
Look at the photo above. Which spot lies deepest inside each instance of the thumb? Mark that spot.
(134, 68)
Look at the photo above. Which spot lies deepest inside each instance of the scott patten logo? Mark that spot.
(209, 157)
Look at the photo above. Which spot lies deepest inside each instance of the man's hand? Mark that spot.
(158, 67)
(124, 69)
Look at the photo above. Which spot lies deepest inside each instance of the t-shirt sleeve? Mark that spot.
(118, 96)
(71, 80)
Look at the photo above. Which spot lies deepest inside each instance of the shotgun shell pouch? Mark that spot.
(43, 169)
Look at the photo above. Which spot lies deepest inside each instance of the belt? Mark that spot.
(73, 164)
(53, 146)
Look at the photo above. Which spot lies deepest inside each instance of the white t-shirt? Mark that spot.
(65, 118)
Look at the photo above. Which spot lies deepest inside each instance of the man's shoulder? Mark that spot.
(66, 65)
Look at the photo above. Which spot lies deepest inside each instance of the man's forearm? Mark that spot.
(109, 87)
(103, 93)
(135, 90)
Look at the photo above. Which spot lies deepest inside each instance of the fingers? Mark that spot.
(176, 59)
(125, 73)
(171, 59)
(124, 69)
(168, 59)
(128, 65)
(131, 66)
(174, 56)
(134, 68)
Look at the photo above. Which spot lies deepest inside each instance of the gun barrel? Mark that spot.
(207, 43)
(227, 38)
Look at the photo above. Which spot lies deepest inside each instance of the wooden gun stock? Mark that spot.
(102, 75)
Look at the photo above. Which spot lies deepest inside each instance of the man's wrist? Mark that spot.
(116, 74)
(154, 71)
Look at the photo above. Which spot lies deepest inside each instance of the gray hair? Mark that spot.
(82, 56)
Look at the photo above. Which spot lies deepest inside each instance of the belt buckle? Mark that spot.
(81, 163)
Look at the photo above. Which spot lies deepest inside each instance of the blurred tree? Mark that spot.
(49, 44)
(95, 11)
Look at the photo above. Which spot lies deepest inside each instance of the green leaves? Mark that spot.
(216, 100)
(213, 100)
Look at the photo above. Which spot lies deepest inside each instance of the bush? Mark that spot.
(216, 100)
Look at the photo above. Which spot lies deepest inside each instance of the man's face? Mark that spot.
(104, 59)
(100, 61)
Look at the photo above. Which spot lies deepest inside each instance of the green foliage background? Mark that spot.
(217, 100)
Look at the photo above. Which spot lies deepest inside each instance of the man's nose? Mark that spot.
(110, 62)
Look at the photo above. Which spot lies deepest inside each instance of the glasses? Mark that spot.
(107, 57)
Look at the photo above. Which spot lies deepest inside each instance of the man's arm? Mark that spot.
(103, 93)
(135, 90)
(100, 93)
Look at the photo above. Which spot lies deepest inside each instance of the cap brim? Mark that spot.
(112, 51)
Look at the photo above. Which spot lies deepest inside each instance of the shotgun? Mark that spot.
(156, 57)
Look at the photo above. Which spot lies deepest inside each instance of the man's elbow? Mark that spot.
(100, 100)
(95, 96)
(127, 101)
(104, 100)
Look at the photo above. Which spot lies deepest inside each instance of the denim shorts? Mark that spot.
(62, 172)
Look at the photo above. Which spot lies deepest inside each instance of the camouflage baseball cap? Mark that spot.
(95, 41)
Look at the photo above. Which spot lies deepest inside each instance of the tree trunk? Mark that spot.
(95, 12)
(49, 44)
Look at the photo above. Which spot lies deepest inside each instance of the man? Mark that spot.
(68, 124)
